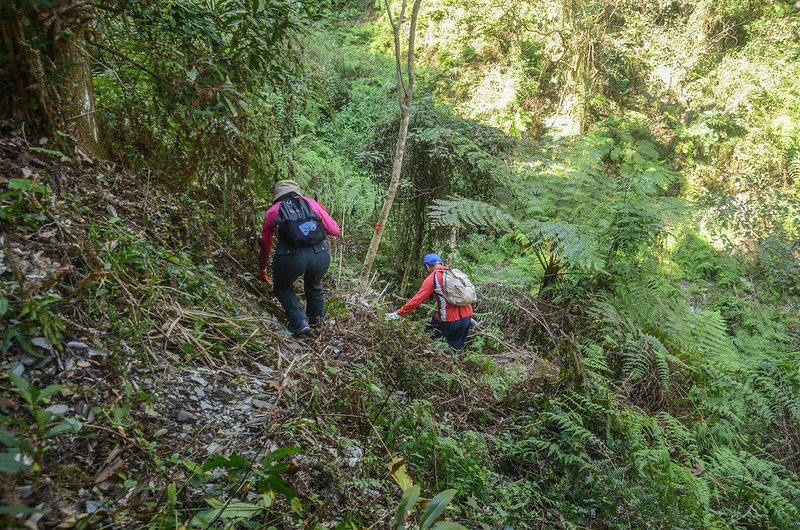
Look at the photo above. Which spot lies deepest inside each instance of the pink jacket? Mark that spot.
(268, 228)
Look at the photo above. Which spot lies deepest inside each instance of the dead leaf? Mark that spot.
(109, 470)
(68, 522)
(399, 473)
(276, 385)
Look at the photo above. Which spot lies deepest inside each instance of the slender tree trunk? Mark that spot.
(405, 95)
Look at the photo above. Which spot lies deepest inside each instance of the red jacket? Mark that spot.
(433, 286)
(328, 224)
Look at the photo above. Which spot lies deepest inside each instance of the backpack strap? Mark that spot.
(440, 298)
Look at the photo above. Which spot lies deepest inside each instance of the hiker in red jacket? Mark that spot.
(301, 225)
(451, 322)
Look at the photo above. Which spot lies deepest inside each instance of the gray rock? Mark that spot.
(27, 360)
(18, 369)
(200, 392)
(58, 409)
(185, 416)
(260, 403)
(205, 405)
(264, 369)
(197, 379)
(42, 342)
(77, 345)
(24, 491)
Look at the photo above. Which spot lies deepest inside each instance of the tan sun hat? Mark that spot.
(283, 187)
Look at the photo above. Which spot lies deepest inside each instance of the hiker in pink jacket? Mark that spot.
(301, 225)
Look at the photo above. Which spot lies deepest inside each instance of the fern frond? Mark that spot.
(466, 212)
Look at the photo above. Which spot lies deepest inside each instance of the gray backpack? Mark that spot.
(457, 288)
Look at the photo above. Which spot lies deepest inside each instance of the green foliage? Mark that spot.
(581, 204)
(22, 203)
(432, 513)
(32, 318)
(26, 449)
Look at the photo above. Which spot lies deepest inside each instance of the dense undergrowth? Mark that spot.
(627, 206)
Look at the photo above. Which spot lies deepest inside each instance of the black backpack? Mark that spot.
(297, 224)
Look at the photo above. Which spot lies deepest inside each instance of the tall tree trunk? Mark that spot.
(49, 71)
(405, 95)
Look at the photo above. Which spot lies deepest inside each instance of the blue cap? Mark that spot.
(431, 258)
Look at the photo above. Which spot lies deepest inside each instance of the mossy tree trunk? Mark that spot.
(46, 71)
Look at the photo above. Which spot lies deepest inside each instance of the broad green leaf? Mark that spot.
(8, 439)
(241, 511)
(436, 508)
(70, 425)
(23, 388)
(234, 462)
(18, 509)
(172, 496)
(50, 390)
(281, 486)
(20, 184)
(407, 503)
(3, 305)
(12, 461)
(448, 525)
(278, 454)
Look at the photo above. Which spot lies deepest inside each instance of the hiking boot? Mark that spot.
(306, 332)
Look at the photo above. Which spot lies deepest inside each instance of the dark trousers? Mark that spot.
(455, 333)
(288, 264)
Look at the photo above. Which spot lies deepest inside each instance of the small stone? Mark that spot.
(264, 369)
(355, 455)
(260, 403)
(77, 345)
(18, 369)
(97, 352)
(205, 405)
(24, 491)
(27, 360)
(42, 342)
(200, 392)
(197, 379)
(58, 409)
(185, 416)
(213, 448)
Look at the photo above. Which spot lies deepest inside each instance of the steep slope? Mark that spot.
(172, 379)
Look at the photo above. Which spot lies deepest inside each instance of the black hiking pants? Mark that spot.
(455, 332)
(288, 264)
